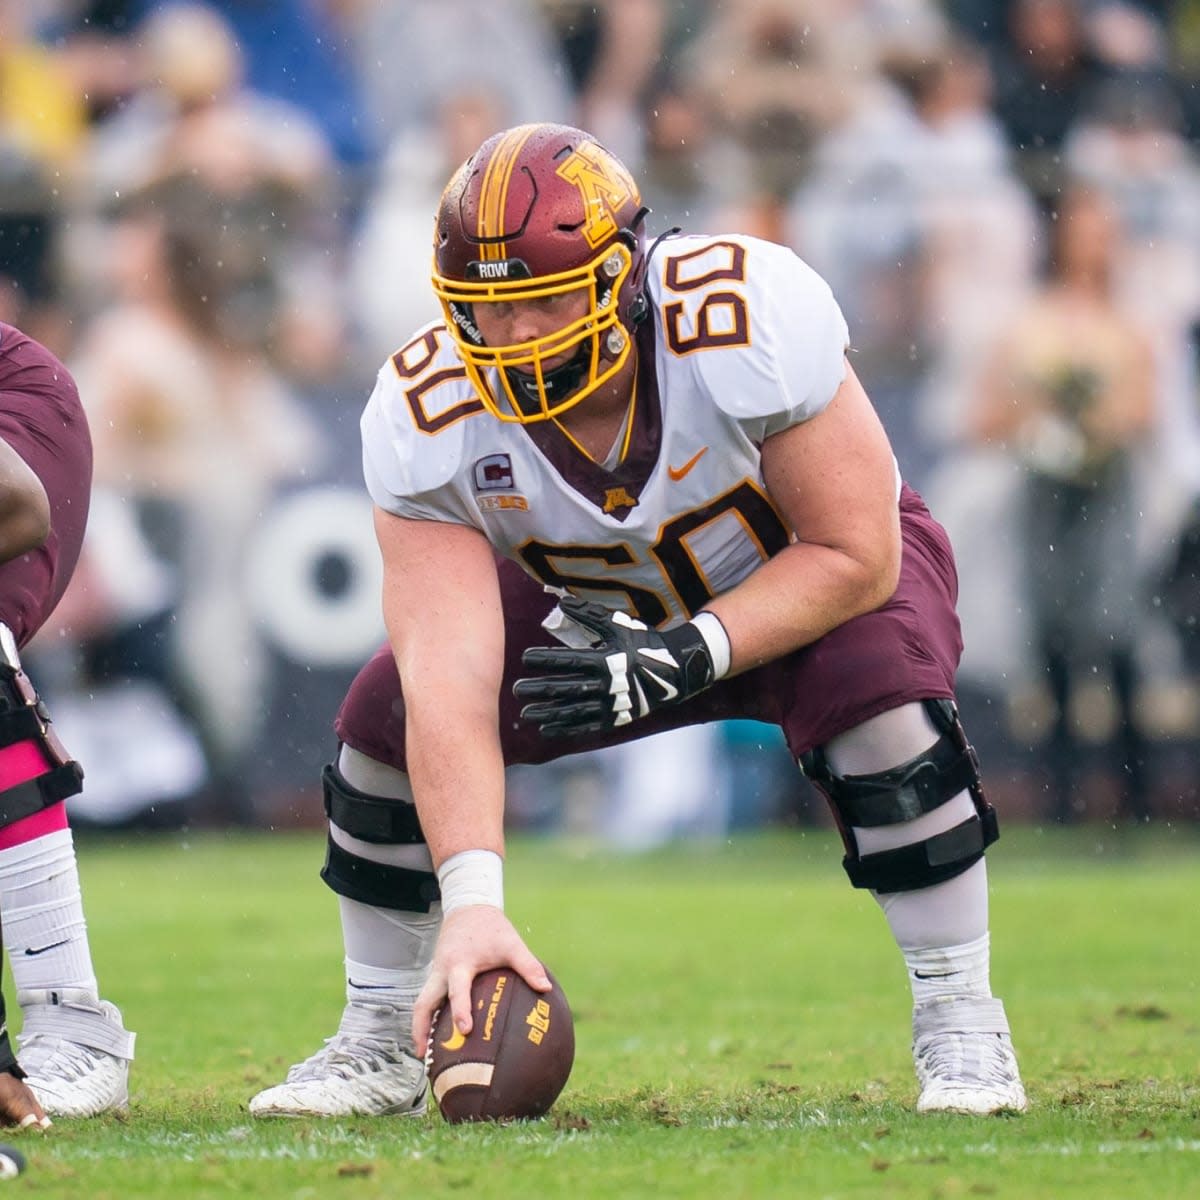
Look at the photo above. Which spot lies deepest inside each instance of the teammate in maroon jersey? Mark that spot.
(699, 517)
(75, 1050)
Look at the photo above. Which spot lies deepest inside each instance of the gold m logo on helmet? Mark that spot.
(604, 186)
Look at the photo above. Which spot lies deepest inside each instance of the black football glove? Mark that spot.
(629, 672)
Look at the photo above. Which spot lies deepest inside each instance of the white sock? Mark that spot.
(946, 914)
(950, 971)
(45, 932)
(378, 985)
(388, 952)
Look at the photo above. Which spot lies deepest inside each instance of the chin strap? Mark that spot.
(557, 384)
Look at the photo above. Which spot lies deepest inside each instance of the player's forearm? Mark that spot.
(800, 595)
(457, 774)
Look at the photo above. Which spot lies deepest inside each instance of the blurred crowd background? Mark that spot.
(219, 215)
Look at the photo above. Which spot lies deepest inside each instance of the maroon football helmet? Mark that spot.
(541, 211)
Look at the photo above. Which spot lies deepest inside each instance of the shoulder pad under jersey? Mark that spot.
(779, 331)
(414, 427)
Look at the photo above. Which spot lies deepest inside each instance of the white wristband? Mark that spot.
(471, 877)
(716, 639)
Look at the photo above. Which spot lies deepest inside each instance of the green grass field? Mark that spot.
(741, 1020)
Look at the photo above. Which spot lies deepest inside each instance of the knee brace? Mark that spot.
(381, 822)
(24, 718)
(949, 767)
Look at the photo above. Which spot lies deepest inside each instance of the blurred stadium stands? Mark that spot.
(218, 214)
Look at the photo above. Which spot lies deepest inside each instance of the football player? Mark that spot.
(74, 1048)
(622, 487)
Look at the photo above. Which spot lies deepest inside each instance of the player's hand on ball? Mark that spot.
(472, 939)
(629, 672)
(19, 1106)
(514, 1062)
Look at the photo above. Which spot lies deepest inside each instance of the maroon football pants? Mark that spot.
(907, 650)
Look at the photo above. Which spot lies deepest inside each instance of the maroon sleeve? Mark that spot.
(42, 419)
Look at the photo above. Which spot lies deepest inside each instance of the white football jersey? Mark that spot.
(743, 340)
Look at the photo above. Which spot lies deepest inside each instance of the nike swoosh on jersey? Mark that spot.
(677, 473)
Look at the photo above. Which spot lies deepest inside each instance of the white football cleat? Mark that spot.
(363, 1070)
(75, 1052)
(964, 1058)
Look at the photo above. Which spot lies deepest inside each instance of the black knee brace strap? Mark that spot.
(23, 717)
(382, 822)
(935, 860)
(948, 767)
(377, 883)
(371, 818)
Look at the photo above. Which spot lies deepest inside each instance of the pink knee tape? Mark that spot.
(19, 763)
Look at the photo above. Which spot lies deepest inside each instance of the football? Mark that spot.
(516, 1059)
